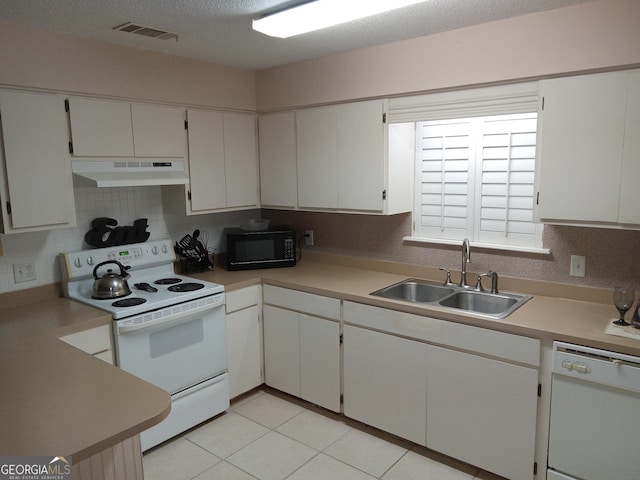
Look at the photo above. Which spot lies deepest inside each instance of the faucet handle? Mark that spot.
(448, 281)
(494, 281)
(479, 287)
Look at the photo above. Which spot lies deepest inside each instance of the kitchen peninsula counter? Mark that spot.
(58, 400)
(556, 312)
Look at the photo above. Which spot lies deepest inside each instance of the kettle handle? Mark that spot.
(123, 269)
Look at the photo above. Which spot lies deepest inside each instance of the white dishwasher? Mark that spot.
(595, 415)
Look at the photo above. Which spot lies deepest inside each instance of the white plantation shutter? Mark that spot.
(476, 180)
(444, 174)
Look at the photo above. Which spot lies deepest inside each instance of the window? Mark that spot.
(475, 165)
(475, 179)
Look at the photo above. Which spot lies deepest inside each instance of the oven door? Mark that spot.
(175, 347)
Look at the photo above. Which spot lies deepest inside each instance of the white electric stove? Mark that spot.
(170, 330)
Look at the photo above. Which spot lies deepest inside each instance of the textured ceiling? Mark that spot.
(220, 31)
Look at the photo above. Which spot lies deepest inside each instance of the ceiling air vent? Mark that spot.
(146, 31)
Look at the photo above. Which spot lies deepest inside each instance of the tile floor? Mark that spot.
(270, 436)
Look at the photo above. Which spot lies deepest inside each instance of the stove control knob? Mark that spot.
(90, 260)
(165, 249)
(77, 262)
(154, 250)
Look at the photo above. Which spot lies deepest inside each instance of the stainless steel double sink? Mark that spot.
(492, 305)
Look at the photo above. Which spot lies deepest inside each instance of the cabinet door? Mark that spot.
(244, 350)
(36, 162)
(385, 382)
(282, 349)
(158, 131)
(320, 361)
(206, 160)
(579, 154)
(95, 341)
(100, 128)
(241, 159)
(278, 183)
(361, 151)
(317, 158)
(629, 191)
(482, 411)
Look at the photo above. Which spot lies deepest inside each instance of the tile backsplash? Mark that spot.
(124, 204)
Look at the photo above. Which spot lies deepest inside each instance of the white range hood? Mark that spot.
(124, 173)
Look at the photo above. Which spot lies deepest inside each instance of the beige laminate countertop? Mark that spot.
(544, 317)
(58, 400)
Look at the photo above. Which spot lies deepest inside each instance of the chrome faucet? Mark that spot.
(466, 258)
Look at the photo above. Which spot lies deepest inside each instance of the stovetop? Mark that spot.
(152, 282)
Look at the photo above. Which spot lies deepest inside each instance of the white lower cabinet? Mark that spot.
(482, 411)
(282, 349)
(302, 345)
(244, 339)
(94, 341)
(468, 392)
(320, 361)
(385, 382)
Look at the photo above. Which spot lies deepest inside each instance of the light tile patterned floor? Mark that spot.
(269, 436)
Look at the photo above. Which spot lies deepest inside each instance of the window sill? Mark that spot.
(482, 246)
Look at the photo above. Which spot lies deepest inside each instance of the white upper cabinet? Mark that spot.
(105, 128)
(223, 164)
(629, 213)
(277, 140)
(317, 158)
(36, 185)
(587, 155)
(100, 128)
(158, 131)
(345, 163)
(361, 154)
(241, 159)
(206, 160)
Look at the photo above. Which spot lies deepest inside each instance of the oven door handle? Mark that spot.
(168, 320)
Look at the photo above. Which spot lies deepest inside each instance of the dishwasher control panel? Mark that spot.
(595, 365)
(579, 367)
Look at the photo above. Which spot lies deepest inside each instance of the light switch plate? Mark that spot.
(578, 265)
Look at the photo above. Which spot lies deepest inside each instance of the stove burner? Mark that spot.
(186, 287)
(167, 281)
(128, 302)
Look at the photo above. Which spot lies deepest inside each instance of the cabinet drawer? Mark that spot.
(91, 341)
(514, 348)
(242, 298)
(302, 302)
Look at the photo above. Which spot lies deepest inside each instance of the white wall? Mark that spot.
(596, 35)
(37, 58)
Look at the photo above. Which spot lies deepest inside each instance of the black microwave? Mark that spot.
(270, 248)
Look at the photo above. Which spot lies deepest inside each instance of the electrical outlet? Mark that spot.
(24, 272)
(308, 240)
(578, 265)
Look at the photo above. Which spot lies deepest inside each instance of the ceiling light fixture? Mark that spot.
(321, 14)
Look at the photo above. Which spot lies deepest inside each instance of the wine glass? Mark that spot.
(623, 300)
